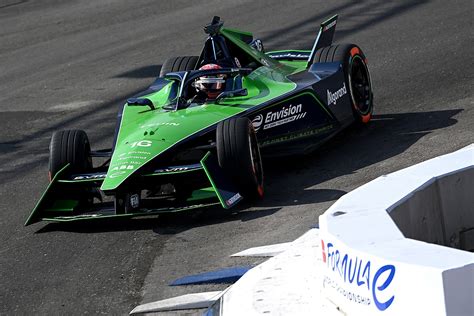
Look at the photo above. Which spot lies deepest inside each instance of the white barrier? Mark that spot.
(381, 250)
(372, 265)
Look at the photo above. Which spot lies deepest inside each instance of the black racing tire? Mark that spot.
(238, 153)
(357, 76)
(182, 63)
(69, 147)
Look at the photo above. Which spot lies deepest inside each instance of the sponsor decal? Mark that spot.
(285, 115)
(323, 251)
(159, 124)
(128, 160)
(330, 25)
(257, 44)
(134, 200)
(233, 199)
(290, 56)
(334, 96)
(122, 167)
(349, 295)
(89, 176)
(257, 122)
(354, 271)
(298, 135)
(178, 168)
(116, 174)
(132, 162)
(237, 62)
(135, 153)
(264, 62)
(131, 157)
(142, 143)
(139, 152)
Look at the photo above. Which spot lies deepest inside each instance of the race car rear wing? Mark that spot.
(324, 37)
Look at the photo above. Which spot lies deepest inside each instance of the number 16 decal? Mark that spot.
(142, 143)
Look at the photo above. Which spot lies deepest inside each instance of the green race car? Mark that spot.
(195, 137)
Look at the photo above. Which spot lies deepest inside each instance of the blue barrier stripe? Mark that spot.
(226, 275)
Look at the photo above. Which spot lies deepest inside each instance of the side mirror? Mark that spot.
(141, 102)
(231, 94)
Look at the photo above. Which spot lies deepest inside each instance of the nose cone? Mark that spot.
(129, 156)
(143, 136)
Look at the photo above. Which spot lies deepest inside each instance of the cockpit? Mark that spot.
(227, 56)
(221, 49)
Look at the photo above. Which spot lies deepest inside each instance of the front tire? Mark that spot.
(357, 76)
(238, 153)
(69, 147)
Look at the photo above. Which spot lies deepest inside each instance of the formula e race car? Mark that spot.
(195, 137)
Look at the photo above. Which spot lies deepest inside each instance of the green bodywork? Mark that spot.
(145, 133)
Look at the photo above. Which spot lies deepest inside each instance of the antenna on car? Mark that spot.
(215, 26)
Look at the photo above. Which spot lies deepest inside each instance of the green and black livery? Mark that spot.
(173, 153)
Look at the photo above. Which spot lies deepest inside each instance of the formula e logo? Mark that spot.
(351, 275)
(257, 122)
(333, 97)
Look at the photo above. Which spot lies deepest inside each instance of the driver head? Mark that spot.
(212, 86)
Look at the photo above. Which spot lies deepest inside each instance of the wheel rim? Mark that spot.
(360, 85)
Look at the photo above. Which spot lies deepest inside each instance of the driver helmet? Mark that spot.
(212, 86)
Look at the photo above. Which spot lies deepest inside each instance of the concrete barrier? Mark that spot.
(394, 246)
(385, 244)
(440, 211)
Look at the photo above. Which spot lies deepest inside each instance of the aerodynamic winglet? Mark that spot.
(225, 190)
(324, 37)
(188, 301)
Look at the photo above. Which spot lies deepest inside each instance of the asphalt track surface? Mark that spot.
(70, 64)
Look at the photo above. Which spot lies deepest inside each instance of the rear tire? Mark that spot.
(357, 76)
(238, 153)
(69, 147)
(182, 63)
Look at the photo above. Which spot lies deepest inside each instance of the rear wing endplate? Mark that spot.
(324, 37)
